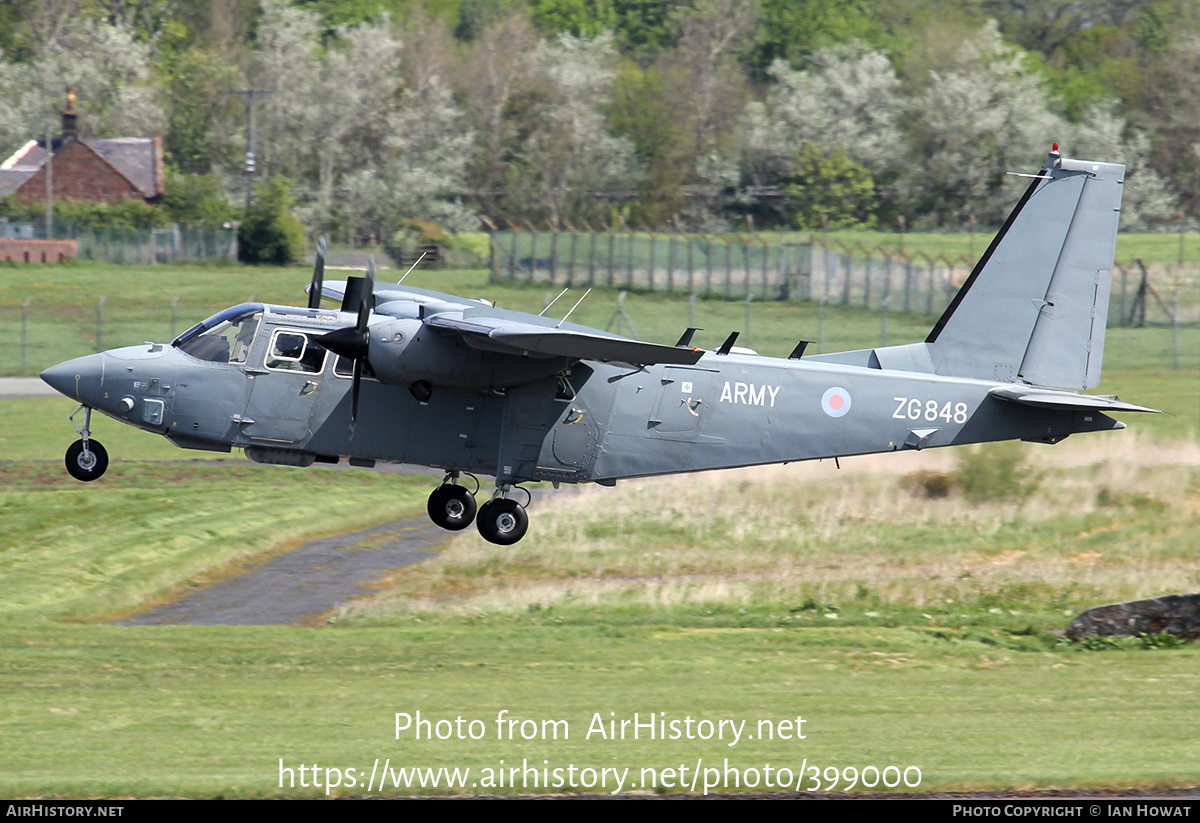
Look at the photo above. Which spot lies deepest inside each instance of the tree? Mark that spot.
(200, 110)
(983, 118)
(569, 153)
(107, 67)
(829, 190)
(270, 233)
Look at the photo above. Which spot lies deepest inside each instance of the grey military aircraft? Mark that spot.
(414, 376)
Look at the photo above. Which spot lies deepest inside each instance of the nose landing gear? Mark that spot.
(86, 459)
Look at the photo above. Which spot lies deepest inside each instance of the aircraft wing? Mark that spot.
(521, 338)
(1066, 400)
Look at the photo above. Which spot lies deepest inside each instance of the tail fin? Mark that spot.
(1035, 307)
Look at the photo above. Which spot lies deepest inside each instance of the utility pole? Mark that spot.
(251, 166)
(49, 187)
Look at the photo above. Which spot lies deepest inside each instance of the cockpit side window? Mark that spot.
(295, 351)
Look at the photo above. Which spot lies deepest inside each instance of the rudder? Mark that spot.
(1034, 308)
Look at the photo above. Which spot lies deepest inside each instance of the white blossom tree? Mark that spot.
(988, 115)
(365, 150)
(569, 153)
(1104, 135)
(849, 98)
(107, 67)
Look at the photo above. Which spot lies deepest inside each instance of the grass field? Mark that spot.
(908, 630)
(63, 309)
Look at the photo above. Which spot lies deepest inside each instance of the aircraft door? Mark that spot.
(682, 403)
(282, 393)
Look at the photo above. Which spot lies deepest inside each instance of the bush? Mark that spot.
(996, 472)
(270, 233)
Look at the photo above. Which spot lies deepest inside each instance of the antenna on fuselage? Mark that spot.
(573, 308)
(552, 302)
(410, 268)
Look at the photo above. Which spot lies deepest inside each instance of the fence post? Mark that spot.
(867, 261)
(883, 310)
(174, 314)
(24, 335)
(691, 271)
(100, 324)
(672, 242)
(571, 262)
(908, 276)
(728, 267)
(821, 324)
(653, 245)
(591, 258)
(631, 242)
(512, 255)
(766, 261)
(708, 265)
(612, 250)
(745, 263)
(692, 311)
(553, 253)
(749, 297)
(533, 262)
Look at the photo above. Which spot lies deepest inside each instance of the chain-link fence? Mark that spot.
(133, 246)
(708, 265)
(737, 266)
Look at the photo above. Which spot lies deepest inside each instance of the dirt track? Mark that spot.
(297, 586)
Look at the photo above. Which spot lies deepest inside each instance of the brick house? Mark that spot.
(88, 169)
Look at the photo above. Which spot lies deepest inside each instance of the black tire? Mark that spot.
(452, 507)
(86, 467)
(502, 521)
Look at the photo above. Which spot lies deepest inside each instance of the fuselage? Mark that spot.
(266, 387)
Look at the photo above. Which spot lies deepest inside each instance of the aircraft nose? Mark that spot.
(78, 379)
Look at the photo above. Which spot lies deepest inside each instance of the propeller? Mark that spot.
(314, 291)
(354, 342)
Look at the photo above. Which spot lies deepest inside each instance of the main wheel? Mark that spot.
(452, 507)
(502, 521)
(86, 465)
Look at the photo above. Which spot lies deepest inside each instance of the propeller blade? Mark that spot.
(354, 383)
(367, 297)
(314, 291)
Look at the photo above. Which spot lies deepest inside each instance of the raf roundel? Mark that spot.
(835, 402)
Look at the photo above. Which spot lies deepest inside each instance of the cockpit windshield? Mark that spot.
(225, 337)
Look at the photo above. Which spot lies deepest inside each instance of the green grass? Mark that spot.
(907, 631)
(147, 531)
(63, 310)
(200, 711)
(1162, 248)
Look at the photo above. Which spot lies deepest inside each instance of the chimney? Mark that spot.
(69, 127)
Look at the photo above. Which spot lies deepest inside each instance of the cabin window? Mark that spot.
(294, 351)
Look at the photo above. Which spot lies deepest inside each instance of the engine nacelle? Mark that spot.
(405, 351)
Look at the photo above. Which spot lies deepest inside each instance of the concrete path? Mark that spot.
(25, 387)
(306, 582)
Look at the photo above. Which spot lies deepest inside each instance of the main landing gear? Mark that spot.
(86, 458)
(500, 520)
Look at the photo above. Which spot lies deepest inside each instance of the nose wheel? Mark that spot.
(86, 459)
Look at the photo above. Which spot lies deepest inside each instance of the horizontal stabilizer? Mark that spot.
(522, 338)
(1066, 400)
